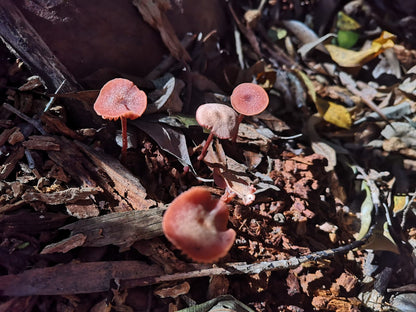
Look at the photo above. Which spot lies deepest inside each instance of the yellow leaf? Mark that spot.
(351, 58)
(400, 203)
(345, 22)
(310, 89)
(334, 113)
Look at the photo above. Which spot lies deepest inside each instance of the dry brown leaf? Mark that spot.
(153, 12)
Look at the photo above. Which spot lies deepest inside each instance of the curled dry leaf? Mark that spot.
(230, 175)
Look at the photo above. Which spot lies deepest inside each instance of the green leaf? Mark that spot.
(347, 38)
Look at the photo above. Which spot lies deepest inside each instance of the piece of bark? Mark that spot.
(153, 12)
(70, 195)
(56, 125)
(74, 278)
(125, 183)
(23, 40)
(119, 228)
(73, 162)
(16, 137)
(12, 206)
(4, 136)
(10, 162)
(65, 245)
(83, 209)
(42, 142)
(174, 291)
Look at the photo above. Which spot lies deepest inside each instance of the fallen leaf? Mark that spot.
(168, 139)
(351, 58)
(334, 113)
(346, 22)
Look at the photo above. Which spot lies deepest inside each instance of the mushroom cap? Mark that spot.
(196, 223)
(219, 118)
(249, 99)
(120, 98)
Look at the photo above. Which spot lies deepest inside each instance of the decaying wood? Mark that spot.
(65, 245)
(70, 195)
(119, 228)
(12, 206)
(23, 40)
(11, 162)
(83, 209)
(73, 162)
(4, 136)
(74, 278)
(126, 184)
(42, 142)
(54, 124)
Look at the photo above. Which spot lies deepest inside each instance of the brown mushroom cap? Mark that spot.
(120, 98)
(249, 99)
(219, 118)
(196, 223)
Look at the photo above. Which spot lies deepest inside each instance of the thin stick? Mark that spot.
(34, 122)
(202, 270)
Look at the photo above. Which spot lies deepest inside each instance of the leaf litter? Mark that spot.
(319, 185)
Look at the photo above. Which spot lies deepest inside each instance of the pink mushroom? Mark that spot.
(220, 119)
(196, 223)
(120, 98)
(248, 99)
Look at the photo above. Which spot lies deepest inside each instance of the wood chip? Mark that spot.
(70, 195)
(42, 142)
(174, 291)
(83, 209)
(16, 137)
(4, 136)
(65, 245)
(54, 124)
(10, 162)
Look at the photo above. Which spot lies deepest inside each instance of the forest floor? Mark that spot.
(323, 180)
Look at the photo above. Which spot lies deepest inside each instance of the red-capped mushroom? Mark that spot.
(120, 98)
(220, 119)
(248, 99)
(196, 223)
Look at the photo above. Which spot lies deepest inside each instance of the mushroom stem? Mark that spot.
(239, 120)
(123, 137)
(205, 148)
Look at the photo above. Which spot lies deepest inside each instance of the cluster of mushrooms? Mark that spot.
(195, 222)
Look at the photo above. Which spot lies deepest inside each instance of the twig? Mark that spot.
(34, 122)
(201, 270)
